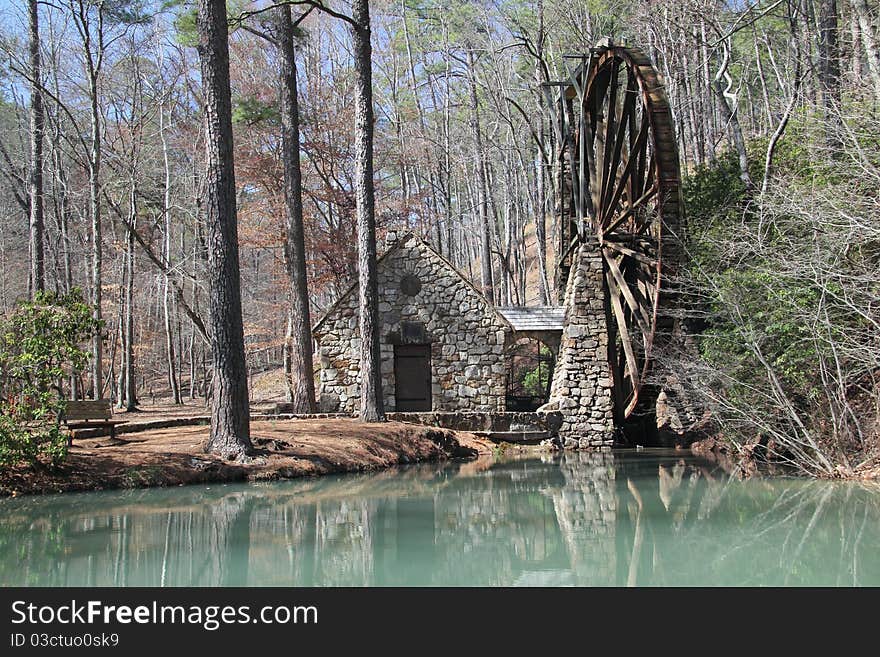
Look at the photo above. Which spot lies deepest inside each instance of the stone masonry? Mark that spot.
(582, 386)
(423, 300)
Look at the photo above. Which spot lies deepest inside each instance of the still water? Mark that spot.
(649, 518)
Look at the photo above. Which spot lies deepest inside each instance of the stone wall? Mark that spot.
(423, 300)
(582, 383)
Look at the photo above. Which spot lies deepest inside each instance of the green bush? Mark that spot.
(40, 344)
(535, 381)
(782, 291)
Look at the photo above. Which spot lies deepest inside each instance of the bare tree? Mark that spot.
(35, 181)
(486, 277)
(869, 41)
(372, 407)
(300, 377)
(230, 414)
(90, 20)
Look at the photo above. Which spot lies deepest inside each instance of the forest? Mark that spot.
(433, 113)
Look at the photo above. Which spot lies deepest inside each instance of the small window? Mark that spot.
(410, 285)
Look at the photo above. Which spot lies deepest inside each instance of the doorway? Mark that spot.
(412, 377)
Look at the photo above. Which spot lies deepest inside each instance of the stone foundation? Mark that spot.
(582, 385)
(472, 421)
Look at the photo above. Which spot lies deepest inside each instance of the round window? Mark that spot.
(410, 285)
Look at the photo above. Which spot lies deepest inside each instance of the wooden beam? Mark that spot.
(639, 313)
(626, 341)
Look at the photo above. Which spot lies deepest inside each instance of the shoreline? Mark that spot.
(285, 449)
(169, 453)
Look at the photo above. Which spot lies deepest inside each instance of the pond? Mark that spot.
(623, 518)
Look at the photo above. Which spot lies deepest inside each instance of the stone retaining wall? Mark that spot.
(475, 421)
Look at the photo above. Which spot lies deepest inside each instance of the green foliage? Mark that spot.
(782, 282)
(39, 345)
(712, 189)
(249, 110)
(128, 12)
(185, 24)
(770, 314)
(536, 381)
(186, 21)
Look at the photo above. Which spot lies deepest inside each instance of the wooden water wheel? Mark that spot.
(621, 176)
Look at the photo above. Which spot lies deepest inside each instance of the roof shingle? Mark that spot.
(543, 318)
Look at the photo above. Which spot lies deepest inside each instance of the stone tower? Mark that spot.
(582, 385)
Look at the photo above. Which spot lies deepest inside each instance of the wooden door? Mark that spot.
(412, 376)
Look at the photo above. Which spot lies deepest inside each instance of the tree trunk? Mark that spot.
(129, 387)
(729, 114)
(482, 186)
(170, 355)
(829, 69)
(372, 407)
(869, 42)
(35, 182)
(541, 209)
(300, 376)
(93, 66)
(230, 413)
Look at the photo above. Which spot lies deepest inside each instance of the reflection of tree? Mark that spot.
(344, 543)
(813, 533)
(231, 539)
(706, 528)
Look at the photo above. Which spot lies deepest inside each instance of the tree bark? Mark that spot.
(541, 209)
(230, 414)
(372, 407)
(482, 186)
(35, 182)
(869, 42)
(300, 375)
(173, 381)
(829, 69)
(127, 395)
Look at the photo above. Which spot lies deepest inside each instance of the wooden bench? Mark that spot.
(89, 413)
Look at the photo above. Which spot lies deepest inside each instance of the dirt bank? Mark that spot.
(285, 449)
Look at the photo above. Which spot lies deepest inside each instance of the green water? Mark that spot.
(652, 518)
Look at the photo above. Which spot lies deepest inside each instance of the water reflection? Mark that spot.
(576, 519)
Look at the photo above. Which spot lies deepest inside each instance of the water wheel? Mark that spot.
(623, 178)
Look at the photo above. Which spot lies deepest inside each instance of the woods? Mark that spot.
(215, 175)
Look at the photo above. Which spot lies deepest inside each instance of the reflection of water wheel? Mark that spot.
(624, 181)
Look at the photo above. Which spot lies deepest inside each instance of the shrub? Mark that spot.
(39, 346)
(786, 291)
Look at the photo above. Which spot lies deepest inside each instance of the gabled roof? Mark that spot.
(394, 247)
(542, 318)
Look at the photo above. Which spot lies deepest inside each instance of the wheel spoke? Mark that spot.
(613, 176)
(629, 211)
(635, 255)
(639, 312)
(597, 140)
(631, 362)
(610, 119)
(625, 175)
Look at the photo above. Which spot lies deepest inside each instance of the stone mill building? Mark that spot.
(442, 344)
(445, 348)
